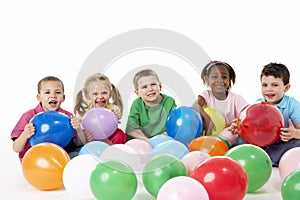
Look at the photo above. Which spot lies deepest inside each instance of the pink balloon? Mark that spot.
(192, 159)
(182, 187)
(141, 147)
(101, 121)
(289, 162)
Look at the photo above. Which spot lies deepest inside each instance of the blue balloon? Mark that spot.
(171, 147)
(184, 124)
(93, 148)
(156, 140)
(53, 127)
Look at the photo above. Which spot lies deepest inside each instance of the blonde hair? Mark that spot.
(143, 73)
(82, 105)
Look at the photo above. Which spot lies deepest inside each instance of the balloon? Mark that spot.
(290, 189)
(260, 124)
(124, 153)
(101, 121)
(43, 166)
(159, 170)
(141, 147)
(182, 187)
(256, 163)
(156, 140)
(218, 119)
(184, 124)
(51, 126)
(222, 177)
(225, 140)
(76, 176)
(94, 148)
(172, 147)
(289, 162)
(192, 159)
(113, 180)
(212, 145)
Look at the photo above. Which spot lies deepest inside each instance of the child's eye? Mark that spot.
(153, 84)
(224, 77)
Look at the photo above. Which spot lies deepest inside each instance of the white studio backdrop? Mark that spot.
(41, 38)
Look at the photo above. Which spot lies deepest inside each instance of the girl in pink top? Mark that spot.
(219, 77)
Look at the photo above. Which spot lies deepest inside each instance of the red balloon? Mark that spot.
(260, 124)
(223, 178)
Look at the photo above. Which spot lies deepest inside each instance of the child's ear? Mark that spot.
(136, 92)
(287, 87)
(38, 97)
(64, 97)
(160, 86)
(206, 79)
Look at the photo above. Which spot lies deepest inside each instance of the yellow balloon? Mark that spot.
(218, 119)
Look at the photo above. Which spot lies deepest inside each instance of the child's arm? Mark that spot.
(80, 135)
(138, 134)
(21, 141)
(290, 132)
(209, 125)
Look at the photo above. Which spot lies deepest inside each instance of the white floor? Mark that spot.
(14, 186)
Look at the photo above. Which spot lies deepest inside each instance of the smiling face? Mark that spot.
(51, 95)
(99, 93)
(149, 90)
(273, 89)
(218, 80)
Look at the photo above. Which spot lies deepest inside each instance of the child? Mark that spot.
(219, 77)
(274, 83)
(148, 113)
(97, 92)
(50, 96)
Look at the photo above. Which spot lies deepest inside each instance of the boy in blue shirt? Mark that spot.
(274, 84)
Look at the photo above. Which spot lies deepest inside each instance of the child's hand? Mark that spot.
(290, 132)
(117, 112)
(88, 135)
(75, 122)
(29, 131)
(209, 127)
(233, 128)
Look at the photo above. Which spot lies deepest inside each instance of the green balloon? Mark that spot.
(113, 180)
(290, 188)
(159, 170)
(256, 163)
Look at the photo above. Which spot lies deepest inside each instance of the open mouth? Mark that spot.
(100, 103)
(53, 103)
(270, 96)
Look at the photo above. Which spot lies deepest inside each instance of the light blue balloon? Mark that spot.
(94, 148)
(156, 140)
(171, 147)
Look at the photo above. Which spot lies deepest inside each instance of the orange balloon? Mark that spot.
(212, 145)
(43, 166)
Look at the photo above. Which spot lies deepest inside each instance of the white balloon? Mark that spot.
(124, 153)
(76, 176)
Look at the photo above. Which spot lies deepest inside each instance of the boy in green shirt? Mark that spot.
(148, 113)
